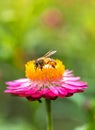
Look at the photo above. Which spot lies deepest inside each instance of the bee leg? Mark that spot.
(41, 67)
(53, 66)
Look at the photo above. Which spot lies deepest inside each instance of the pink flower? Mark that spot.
(49, 82)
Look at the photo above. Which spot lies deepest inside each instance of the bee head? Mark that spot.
(39, 64)
(36, 63)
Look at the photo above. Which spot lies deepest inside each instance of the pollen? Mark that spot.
(46, 74)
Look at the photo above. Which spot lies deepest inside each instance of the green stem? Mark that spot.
(49, 119)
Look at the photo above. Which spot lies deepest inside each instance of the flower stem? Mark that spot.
(49, 119)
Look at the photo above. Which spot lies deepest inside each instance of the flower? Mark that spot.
(48, 82)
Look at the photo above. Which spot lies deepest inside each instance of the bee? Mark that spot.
(45, 60)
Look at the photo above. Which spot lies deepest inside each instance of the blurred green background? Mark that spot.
(29, 29)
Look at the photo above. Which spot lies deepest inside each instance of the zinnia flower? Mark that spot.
(48, 82)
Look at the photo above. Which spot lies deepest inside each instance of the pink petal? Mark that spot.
(79, 83)
(54, 90)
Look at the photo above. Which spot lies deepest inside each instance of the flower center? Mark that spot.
(45, 73)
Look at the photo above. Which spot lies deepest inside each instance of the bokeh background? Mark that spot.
(29, 29)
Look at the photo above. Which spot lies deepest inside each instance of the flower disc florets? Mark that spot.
(46, 74)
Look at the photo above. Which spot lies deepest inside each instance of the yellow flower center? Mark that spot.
(45, 74)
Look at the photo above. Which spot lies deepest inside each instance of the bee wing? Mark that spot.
(48, 54)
